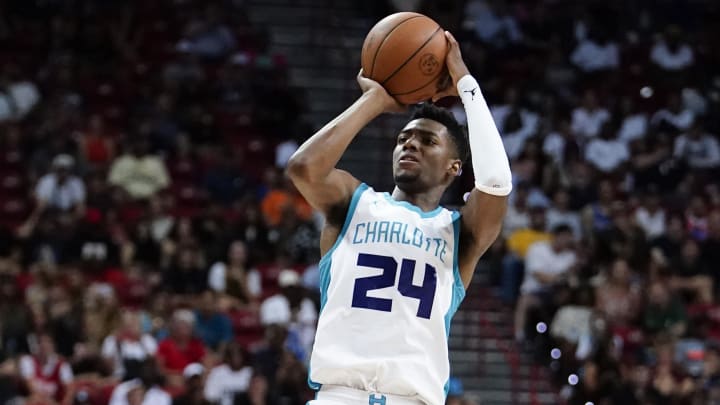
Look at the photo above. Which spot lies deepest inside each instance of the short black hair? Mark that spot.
(445, 117)
(561, 228)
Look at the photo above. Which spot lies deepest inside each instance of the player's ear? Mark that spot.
(456, 168)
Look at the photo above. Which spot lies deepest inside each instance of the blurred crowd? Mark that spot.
(609, 113)
(152, 251)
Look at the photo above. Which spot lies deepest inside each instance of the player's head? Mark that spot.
(429, 151)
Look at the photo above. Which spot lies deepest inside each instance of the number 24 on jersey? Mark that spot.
(424, 293)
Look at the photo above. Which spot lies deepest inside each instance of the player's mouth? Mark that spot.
(408, 159)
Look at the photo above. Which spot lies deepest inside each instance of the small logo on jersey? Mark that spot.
(374, 399)
(429, 64)
(472, 93)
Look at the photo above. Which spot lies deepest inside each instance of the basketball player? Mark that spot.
(396, 266)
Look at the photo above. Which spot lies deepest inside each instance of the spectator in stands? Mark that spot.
(517, 245)
(180, 348)
(528, 120)
(280, 197)
(233, 280)
(634, 124)
(138, 172)
(225, 180)
(670, 52)
(618, 296)
(101, 313)
(45, 373)
(492, 23)
(19, 95)
(212, 326)
(547, 264)
(96, 143)
(194, 375)
(231, 378)
(208, 38)
(650, 215)
(187, 273)
(605, 152)
(144, 390)
(292, 309)
(596, 52)
(127, 348)
(518, 214)
(674, 117)
(597, 215)
(698, 149)
(588, 118)
(560, 213)
(60, 190)
(664, 312)
(572, 325)
(690, 274)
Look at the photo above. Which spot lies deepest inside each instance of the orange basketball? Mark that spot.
(405, 52)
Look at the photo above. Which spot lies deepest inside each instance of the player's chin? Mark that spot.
(405, 176)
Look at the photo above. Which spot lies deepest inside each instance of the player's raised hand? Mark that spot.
(378, 92)
(455, 66)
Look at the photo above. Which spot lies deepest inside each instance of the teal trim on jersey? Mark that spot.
(326, 261)
(412, 207)
(458, 287)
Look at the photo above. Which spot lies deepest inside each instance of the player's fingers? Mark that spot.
(451, 39)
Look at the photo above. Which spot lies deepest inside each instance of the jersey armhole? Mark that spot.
(348, 218)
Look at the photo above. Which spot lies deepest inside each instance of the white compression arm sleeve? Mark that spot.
(489, 160)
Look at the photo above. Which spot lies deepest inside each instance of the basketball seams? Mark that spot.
(377, 49)
(427, 41)
(421, 87)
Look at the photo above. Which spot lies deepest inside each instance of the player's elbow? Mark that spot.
(298, 168)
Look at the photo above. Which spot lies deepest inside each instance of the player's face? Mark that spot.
(424, 156)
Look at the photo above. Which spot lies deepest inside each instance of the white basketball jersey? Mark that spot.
(389, 288)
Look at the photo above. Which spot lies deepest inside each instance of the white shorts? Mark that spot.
(337, 395)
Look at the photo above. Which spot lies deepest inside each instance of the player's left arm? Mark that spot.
(483, 213)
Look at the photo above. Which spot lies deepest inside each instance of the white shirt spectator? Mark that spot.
(515, 219)
(681, 120)
(542, 258)
(572, 322)
(554, 146)
(514, 142)
(217, 279)
(284, 151)
(606, 154)
(141, 177)
(63, 196)
(680, 59)
(701, 153)
(153, 396)
(28, 371)
(555, 217)
(591, 56)
(633, 127)
(587, 123)
(223, 383)
(127, 350)
(276, 309)
(489, 26)
(653, 224)
(18, 100)
(530, 120)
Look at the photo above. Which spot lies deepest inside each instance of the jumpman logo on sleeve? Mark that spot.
(472, 93)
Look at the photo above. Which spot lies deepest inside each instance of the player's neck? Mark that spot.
(426, 201)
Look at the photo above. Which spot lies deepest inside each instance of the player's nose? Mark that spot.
(411, 143)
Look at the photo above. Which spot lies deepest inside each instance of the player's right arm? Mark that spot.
(312, 166)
